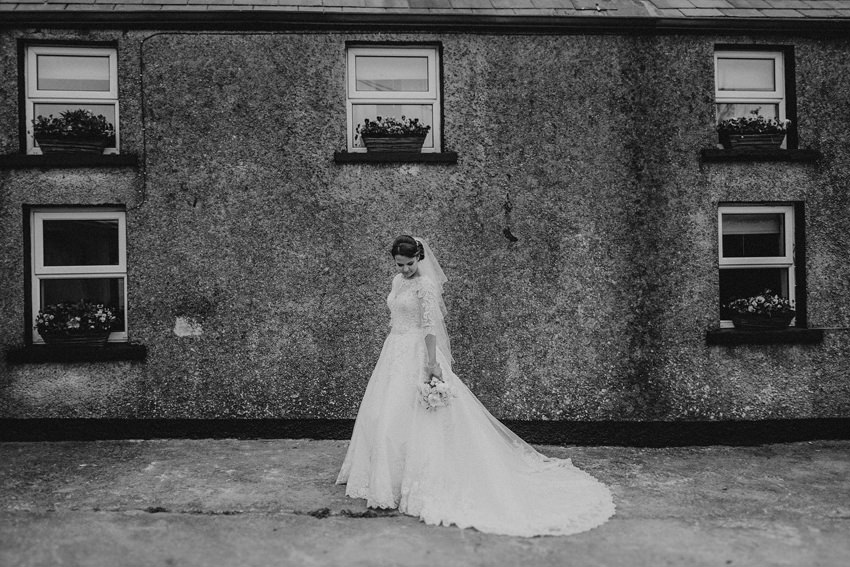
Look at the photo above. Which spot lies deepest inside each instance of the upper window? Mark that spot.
(80, 255)
(70, 78)
(750, 81)
(756, 253)
(393, 82)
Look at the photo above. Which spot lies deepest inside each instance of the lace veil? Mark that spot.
(430, 268)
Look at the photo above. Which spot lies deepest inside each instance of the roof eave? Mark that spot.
(276, 20)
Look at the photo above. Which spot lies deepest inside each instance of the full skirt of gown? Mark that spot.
(458, 464)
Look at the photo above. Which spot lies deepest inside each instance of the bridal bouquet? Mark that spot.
(434, 393)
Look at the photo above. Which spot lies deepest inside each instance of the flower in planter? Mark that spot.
(766, 304)
(76, 124)
(755, 124)
(391, 126)
(74, 318)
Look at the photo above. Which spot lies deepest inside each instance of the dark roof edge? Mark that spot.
(260, 20)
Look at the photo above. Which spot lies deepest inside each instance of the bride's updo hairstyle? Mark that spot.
(408, 246)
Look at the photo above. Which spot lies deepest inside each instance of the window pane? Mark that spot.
(106, 291)
(73, 73)
(81, 242)
(107, 110)
(738, 109)
(753, 235)
(740, 283)
(396, 74)
(745, 74)
(424, 112)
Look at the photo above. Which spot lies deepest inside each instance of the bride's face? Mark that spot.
(406, 265)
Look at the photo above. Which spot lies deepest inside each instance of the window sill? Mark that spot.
(395, 157)
(758, 154)
(791, 335)
(108, 353)
(24, 161)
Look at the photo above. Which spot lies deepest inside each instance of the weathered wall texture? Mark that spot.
(273, 259)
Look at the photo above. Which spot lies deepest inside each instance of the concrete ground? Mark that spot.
(273, 502)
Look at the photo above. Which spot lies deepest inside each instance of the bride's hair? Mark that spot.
(408, 246)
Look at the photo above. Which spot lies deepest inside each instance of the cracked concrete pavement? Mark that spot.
(274, 502)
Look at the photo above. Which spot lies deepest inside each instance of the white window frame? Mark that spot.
(776, 96)
(39, 271)
(786, 261)
(35, 96)
(430, 97)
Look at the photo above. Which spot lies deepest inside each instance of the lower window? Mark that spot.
(79, 256)
(757, 252)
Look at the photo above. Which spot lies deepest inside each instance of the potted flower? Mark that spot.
(393, 135)
(73, 131)
(754, 131)
(71, 324)
(764, 311)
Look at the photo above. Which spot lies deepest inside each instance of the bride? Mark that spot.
(424, 444)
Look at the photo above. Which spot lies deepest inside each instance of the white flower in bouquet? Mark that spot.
(434, 393)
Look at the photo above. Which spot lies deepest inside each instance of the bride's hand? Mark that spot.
(434, 370)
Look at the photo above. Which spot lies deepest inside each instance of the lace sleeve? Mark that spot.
(430, 306)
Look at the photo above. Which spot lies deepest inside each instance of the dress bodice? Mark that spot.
(412, 303)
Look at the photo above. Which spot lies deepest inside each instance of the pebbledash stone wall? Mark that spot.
(259, 267)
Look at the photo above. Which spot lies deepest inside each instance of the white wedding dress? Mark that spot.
(456, 464)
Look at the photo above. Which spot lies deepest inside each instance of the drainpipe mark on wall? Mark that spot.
(508, 206)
